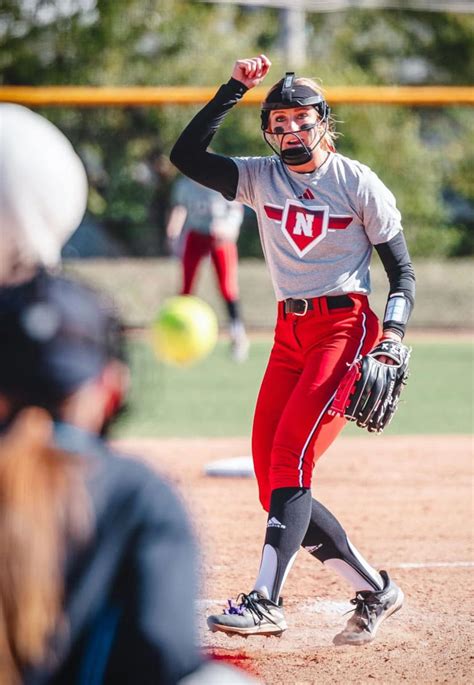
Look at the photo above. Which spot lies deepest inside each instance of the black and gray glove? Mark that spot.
(370, 391)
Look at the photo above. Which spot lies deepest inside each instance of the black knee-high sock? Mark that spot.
(326, 540)
(288, 519)
(233, 310)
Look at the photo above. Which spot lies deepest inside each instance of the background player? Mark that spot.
(320, 215)
(203, 223)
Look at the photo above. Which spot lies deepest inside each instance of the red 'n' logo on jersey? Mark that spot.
(305, 225)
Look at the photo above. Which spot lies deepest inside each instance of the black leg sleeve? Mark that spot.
(288, 519)
(233, 310)
(326, 539)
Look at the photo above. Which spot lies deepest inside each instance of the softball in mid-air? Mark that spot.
(184, 330)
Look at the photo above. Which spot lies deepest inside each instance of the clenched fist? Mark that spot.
(251, 71)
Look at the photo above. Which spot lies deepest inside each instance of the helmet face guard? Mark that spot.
(289, 96)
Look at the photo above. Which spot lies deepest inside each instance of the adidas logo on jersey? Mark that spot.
(275, 523)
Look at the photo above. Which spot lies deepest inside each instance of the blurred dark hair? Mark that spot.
(57, 334)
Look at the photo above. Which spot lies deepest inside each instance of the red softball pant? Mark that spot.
(310, 354)
(224, 256)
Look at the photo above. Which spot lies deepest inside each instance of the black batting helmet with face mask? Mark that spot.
(289, 95)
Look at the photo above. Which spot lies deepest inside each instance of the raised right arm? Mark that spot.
(190, 154)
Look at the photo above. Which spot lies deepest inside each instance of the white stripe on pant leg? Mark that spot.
(362, 340)
(328, 404)
(318, 421)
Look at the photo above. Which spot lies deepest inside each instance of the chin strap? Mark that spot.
(299, 154)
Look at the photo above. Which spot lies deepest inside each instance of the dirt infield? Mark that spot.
(406, 503)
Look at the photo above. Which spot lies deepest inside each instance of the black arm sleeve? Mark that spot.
(190, 154)
(397, 264)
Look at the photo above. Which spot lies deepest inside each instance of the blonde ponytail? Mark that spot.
(42, 503)
(329, 139)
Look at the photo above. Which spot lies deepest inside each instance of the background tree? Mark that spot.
(422, 155)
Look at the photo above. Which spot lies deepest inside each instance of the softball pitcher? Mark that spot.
(320, 215)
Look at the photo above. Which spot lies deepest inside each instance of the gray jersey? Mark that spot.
(206, 209)
(317, 229)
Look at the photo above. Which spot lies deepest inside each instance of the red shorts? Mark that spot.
(292, 427)
(224, 256)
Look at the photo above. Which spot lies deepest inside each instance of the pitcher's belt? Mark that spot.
(301, 306)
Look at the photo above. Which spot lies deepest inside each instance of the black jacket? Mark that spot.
(130, 592)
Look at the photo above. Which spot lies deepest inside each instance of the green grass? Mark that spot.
(217, 397)
(444, 290)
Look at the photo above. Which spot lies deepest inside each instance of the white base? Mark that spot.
(234, 467)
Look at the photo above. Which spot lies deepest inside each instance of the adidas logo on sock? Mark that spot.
(275, 523)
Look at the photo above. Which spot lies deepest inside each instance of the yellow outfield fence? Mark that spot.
(133, 96)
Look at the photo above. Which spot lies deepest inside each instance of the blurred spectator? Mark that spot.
(98, 564)
(98, 577)
(97, 561)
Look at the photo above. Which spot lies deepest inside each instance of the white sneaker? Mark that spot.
(371, 609)
(239, 345)
(239, 348)
(254, 615)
